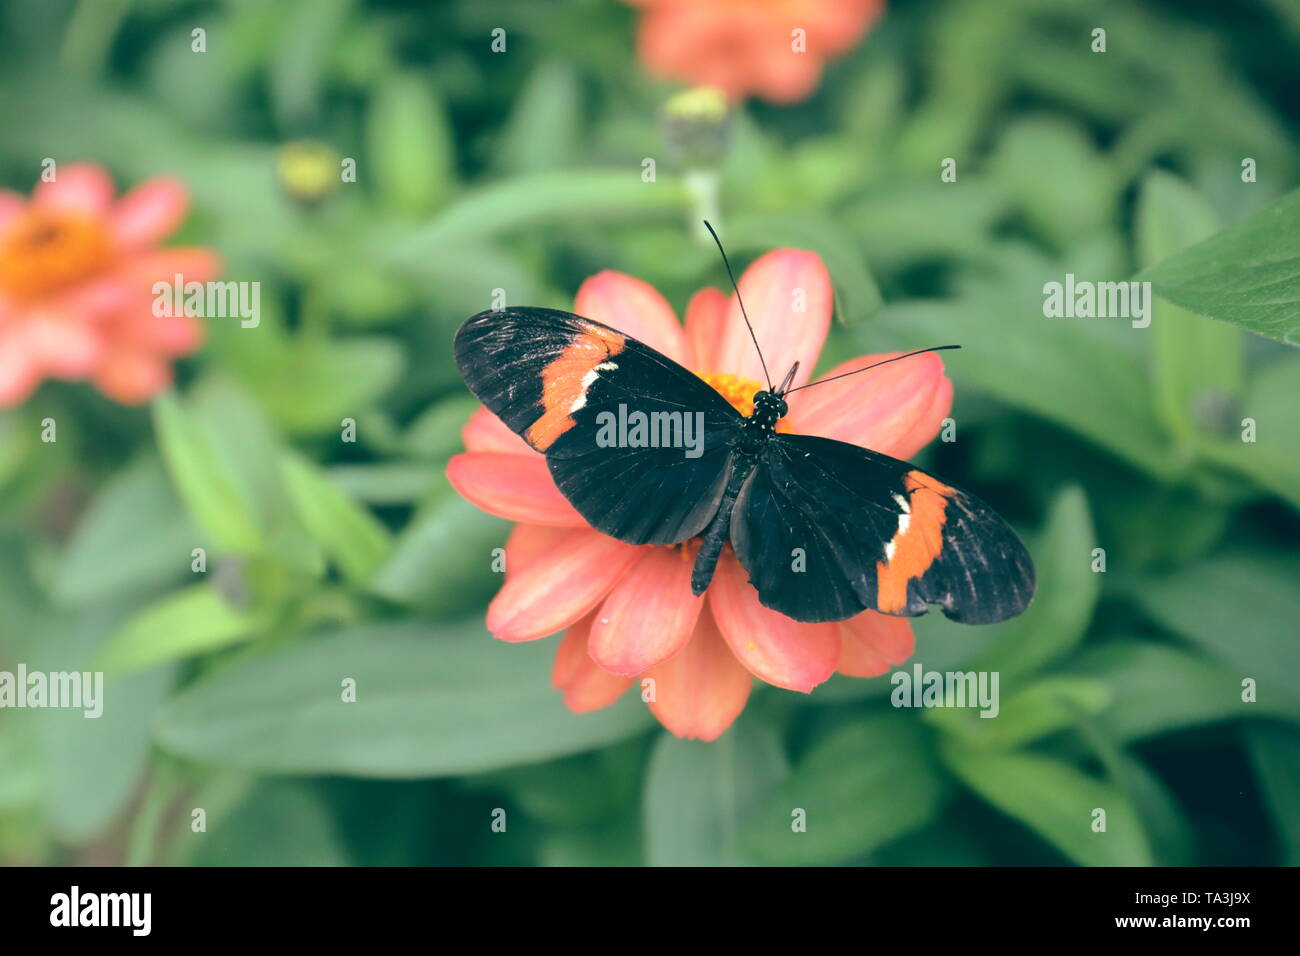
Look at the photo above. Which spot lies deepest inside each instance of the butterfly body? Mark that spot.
(824, 528)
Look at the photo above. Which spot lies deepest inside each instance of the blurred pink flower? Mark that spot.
(77, 270)
(627, 610)
(749, 47)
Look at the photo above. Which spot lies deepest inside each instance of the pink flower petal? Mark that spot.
(149, 213)
(529, 543)
(548, 596)
(19, 374)
(633, 307)
(871, 643)
(485, 432)
(586, 687)
(11, 204)
(701, 691)
(101, 298)
(787, 76)
(191, 263)
(77, 187)
(927, 425)
(62, 344)
(131, 378)
(514, 487)
(170, 335)
(649, 616)
(706, 323)
(773, 288)
(781, 651)
(895, 409)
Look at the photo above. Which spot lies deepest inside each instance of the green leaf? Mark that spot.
(1173, 842)
(856, 294)
(1079, 373)
(583, 790)
(386, 483)
(308, 386)
(1055, 174)
(544, 125)
(187, 622)
(608, 844)
(136, 505)
(1067, 593)
(569, 196)
(431, 700)
(427, 570)
(1247, 275)
(248, 449)
(1275, 752)
(1169, 832)
(281, 823)
(435, 434)
(205, 482)
(697, 795)
(1156, 689)
(92, 765)
(860, 787)
(1198, 363)
(1269, 410)
(353, 538)
(409, 145)
(20, 781)
(902, 223)
(1056, 801)
(1045, 707)
(309, 34)
(1242, 608)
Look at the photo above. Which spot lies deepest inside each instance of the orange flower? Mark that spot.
(746, 47)
(77, 271)
(628, 609)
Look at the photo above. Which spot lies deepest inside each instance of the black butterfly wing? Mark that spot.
(872, 532)
(570, 385)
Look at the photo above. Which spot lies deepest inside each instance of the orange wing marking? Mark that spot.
(565, 382)
(916, 543)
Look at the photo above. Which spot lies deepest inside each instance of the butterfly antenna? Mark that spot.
(734, 285)
(896, 358)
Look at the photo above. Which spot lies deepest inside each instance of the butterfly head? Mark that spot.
(768, 410)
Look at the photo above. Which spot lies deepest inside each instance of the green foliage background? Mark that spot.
(1120, 690)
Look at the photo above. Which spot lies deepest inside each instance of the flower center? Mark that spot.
(44, 251)
(739, 392)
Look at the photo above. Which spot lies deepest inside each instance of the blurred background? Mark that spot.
(523, 170)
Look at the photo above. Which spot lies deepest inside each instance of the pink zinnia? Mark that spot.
(627, 610)
(77, 271)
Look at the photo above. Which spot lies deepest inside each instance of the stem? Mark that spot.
(705, 190)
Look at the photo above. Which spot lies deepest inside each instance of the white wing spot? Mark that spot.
(581, 401)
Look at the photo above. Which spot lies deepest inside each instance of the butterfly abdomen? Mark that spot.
(715, 535)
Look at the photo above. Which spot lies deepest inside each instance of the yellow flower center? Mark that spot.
(44, 251)
(739, 392)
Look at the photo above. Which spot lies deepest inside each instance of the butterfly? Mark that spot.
(650, 453)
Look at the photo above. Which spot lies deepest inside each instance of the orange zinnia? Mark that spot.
(750, 47)
(628, 610)
(77, 271)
